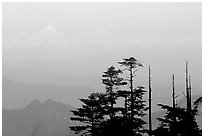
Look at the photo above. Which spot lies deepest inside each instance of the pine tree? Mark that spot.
(114, 125)
(180, 121)
(126, 125)
(91, 114)
(139, 108)
(134, 105)
(131, 65)
(112, 81)
(99, 116)
(181, 127)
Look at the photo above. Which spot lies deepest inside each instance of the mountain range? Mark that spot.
(44, 109)
(17, 95)
(52, 118)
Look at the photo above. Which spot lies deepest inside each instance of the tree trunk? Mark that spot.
(174, 105)
(150, 107)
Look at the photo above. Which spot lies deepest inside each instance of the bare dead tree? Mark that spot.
(173, 101)
(188, 104)
(190, 92)
(150, 107)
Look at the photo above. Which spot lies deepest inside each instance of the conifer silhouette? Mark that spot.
(91, 114)
(180, 121)
(134, 104)
(112, 80)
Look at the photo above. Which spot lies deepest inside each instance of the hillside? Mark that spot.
(38, 119)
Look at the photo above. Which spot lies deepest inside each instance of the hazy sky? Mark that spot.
(59, 38)
(146, 21)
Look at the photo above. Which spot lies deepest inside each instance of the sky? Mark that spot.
(84, 39)
(146, 21)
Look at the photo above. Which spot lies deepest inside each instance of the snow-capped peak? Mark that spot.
(50, 30)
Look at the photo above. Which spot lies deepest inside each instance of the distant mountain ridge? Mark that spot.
(38, 119)
(17, 95)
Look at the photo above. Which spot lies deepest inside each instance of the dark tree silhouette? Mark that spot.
(111, 80)
(124, 126)
(179, 128)
(114, 124)
(127, 120)
(180, 121)
(90, 115)
(173, 103)
(139, 108)
(131, 64)
(150, 106)
(99, 114)
(134, 105)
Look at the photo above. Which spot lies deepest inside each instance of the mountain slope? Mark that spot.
(42, 119)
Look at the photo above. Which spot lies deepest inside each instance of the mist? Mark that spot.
(68, 46)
